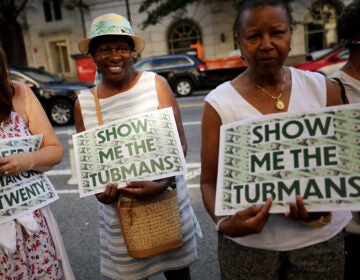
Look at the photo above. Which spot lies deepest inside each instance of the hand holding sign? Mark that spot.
(299, 213)
(16, 162)
(110, 194)
(248, 221)
(147, 188)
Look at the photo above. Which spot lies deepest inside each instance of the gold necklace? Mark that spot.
(279, 104)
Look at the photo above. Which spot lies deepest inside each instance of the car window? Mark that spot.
(17, 77)
(42, 77)
(344, 54)
(163, 62)
(178, 61)
(171, 62)
(325, 54)
(144, 65)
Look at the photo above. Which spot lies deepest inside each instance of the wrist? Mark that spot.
(31, 162)
(220, 222)
(167, 182)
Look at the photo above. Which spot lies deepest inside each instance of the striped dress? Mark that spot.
(115, 263)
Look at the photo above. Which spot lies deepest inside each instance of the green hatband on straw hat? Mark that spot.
(111, 24)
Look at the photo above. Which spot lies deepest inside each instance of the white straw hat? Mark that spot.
(111, 24)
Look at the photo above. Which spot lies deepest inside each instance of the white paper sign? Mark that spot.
(314, 154)
(27, 191)
(142, 147)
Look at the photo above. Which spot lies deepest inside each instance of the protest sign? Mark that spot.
(142, 147)
(28, 190)
(314, 154)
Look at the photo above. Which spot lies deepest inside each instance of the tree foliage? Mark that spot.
(156, 10)
(163, 8)
(11, 36)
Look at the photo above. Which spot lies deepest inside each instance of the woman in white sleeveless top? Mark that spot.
(124, 92)
(252, 243)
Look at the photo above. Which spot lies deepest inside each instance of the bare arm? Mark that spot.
(210, 134)
(245, 222)
(51, 151)
(79, 122)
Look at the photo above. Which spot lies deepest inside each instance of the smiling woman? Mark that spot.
(124, 92)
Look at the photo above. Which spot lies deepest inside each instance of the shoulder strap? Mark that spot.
(343, 92)
(97, 105)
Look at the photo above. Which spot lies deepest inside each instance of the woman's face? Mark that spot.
(113, 58)
(264, 38)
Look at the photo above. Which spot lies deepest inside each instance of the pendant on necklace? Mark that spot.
(279, 104)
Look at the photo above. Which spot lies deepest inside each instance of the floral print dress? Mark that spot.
(35, 256)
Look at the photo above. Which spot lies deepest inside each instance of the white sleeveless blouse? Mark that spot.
(281, 234)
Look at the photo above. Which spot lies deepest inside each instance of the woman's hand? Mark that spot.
(299, 213)
(248, 221)
(16, 163)
(145, 189)
(110, 195)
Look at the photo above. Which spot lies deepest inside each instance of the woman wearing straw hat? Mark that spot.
(124, 92)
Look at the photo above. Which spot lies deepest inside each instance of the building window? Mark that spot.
(181, 35)
(320, 25)
(60, 57)
(52, 10)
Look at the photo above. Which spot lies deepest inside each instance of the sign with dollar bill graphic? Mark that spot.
(143, 147)
(314, 154)
(28, 190)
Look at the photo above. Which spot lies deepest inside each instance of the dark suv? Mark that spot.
(56, 95)
(185, 73)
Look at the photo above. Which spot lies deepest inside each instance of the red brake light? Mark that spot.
(201, 67)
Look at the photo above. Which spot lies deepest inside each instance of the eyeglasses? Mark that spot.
(105, 52)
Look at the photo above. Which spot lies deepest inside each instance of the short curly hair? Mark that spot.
(348, 25)
(252, 4)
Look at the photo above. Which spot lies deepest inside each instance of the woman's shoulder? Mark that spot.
(220, 91)
(305, 74)
(20, 87)
(149, 76)
(303, 79)
(24, 100)
(85, 93)
(23, 92)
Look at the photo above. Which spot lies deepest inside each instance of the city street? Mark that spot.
(78, 217)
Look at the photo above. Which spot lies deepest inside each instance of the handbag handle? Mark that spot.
(97, 105)
(343, 92)
(128, 209)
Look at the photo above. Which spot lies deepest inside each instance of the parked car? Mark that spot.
(56, 95)
(185, 73)
(328, 63)
(318, 54)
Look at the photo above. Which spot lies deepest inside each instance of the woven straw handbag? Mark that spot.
(150, 227)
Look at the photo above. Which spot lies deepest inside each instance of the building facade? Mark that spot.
(52, 30)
